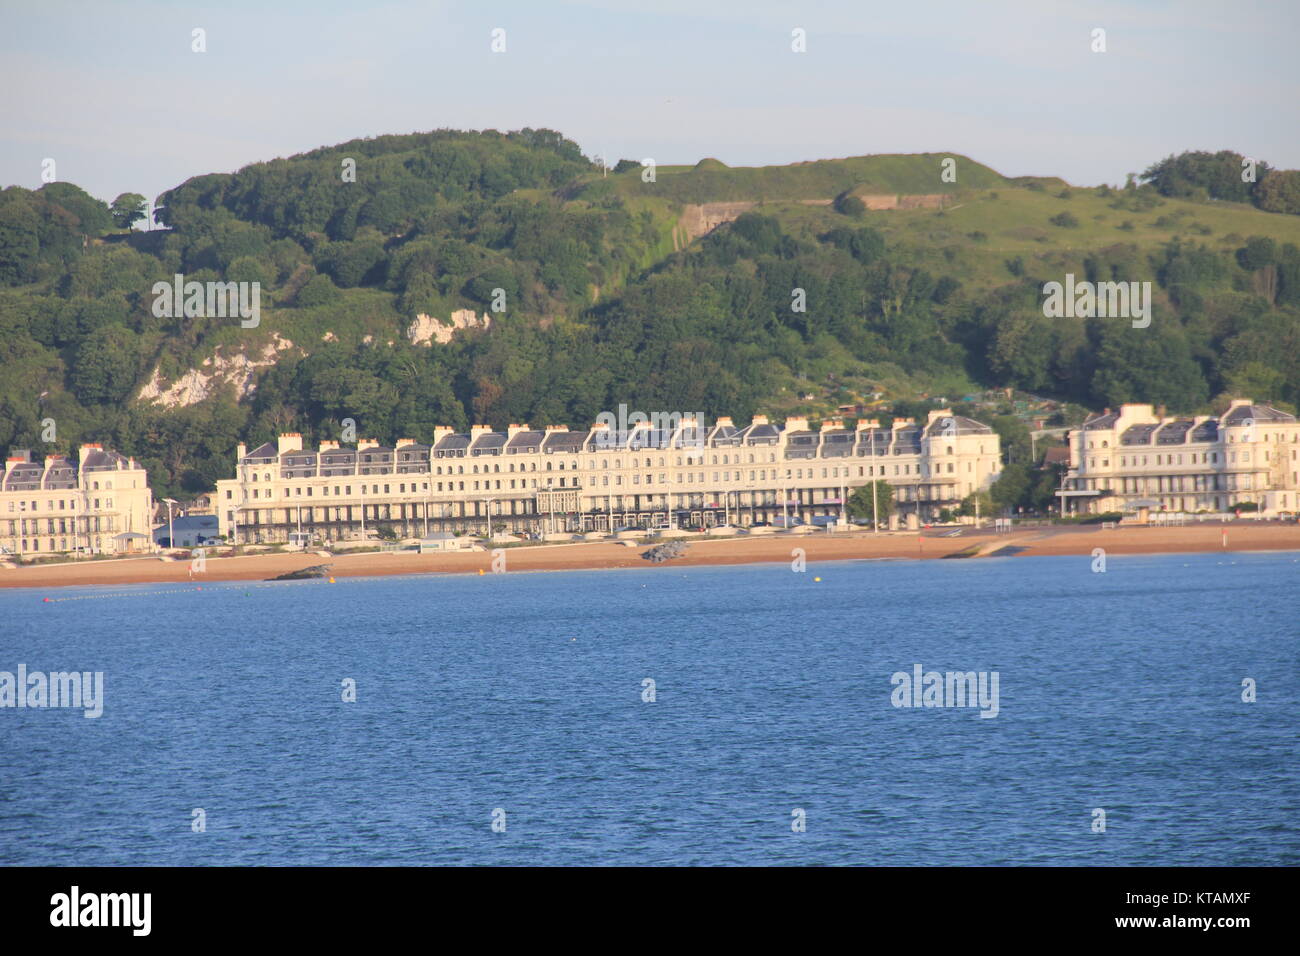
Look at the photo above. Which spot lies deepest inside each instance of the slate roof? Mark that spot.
(525, 442)
(1256, 413)
(1175, 433)
(1101, 422)
(1138, 434)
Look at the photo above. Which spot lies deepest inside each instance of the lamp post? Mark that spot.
(171, 538)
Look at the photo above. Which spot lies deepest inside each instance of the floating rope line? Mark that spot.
(96, 597)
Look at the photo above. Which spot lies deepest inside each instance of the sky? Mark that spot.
(114, 93)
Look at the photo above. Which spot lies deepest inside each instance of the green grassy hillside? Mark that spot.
(710, 181)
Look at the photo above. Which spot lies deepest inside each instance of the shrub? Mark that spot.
(850, 205)
(318, 290)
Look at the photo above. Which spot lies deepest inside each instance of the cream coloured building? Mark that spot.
(101, 503)
(1133, 458)
(557, 480)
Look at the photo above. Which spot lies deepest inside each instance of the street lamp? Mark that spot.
(171, 538)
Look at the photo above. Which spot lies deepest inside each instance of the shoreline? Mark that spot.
(1078, 540)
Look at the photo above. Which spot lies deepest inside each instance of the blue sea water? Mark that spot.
(524, 692)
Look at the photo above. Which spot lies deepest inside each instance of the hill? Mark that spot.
(461, 277)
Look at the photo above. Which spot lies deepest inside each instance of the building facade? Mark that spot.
(101, 503)
(186, 531)
(1133, 459)
(554, 480)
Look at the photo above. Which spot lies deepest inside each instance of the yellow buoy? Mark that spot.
(331, 580)
(816, 579)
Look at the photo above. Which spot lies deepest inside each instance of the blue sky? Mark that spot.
(113, 93)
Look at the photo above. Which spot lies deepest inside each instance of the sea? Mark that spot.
(1146, 713)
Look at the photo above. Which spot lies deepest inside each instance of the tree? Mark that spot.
(128, 209)
(1279, 191)
(1014, 437)
(351, 263)
(1153, 365)
(850, 205)
(106, 365)
(969, 507)
(1258, 252)
(860, 502)
(20, 242)
(318, 290)
(92, 214)
(249, 269)
(1010, 488)
(1201, 174)
(1042, 495)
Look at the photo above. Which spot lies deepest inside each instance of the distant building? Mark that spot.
(444, 541)
(191, 531)
(557, 480)
(99, 503)
(1133, 458)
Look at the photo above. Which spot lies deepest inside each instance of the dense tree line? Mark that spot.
(1227, 176)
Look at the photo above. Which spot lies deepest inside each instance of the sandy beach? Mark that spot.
(1067, 540)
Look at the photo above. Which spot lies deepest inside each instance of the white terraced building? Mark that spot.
(100, 503)
(557, 480)
(1134, 458)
